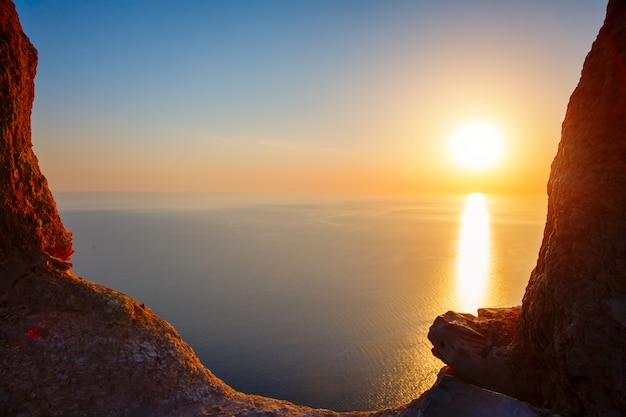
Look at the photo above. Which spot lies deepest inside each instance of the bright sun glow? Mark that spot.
(476, 146)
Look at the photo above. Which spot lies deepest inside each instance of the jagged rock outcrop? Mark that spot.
(28, 216)
(568, 350)
(573, 321)
(478, 348)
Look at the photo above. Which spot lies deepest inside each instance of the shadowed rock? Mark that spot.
(453, 398)
(572, 326)
(568, 350)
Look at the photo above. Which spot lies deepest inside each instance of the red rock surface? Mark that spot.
(28, 216)
(572, 327)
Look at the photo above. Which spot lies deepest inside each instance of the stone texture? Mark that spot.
(572, 327)
(477, 347)
(568, 349)
(28, 214)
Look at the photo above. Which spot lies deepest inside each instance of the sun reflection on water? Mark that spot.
(473, 260)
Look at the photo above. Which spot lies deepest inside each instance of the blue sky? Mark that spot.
(341, 95)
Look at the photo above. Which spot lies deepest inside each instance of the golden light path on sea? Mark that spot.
(473, 259)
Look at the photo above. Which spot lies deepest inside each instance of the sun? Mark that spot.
(476, 146)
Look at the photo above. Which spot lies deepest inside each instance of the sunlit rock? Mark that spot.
(28, 216)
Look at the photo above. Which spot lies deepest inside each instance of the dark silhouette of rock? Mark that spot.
(573, 321)
(453, 398)
(28, 216)
(568, 350)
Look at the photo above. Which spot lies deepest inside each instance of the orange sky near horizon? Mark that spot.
(315, 97)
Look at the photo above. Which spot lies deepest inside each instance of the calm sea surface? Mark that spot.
(324, 301)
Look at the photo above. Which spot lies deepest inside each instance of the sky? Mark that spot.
(347, 96)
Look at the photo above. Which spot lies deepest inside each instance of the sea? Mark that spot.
(321, 300)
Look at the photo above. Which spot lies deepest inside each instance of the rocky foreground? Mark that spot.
(69, 347)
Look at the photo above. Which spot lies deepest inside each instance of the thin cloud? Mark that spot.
(299, 146)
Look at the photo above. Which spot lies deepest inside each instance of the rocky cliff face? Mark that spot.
(28, 215)
(573, 321)
(566, 348)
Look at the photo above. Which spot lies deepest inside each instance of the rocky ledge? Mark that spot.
(69, 347)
